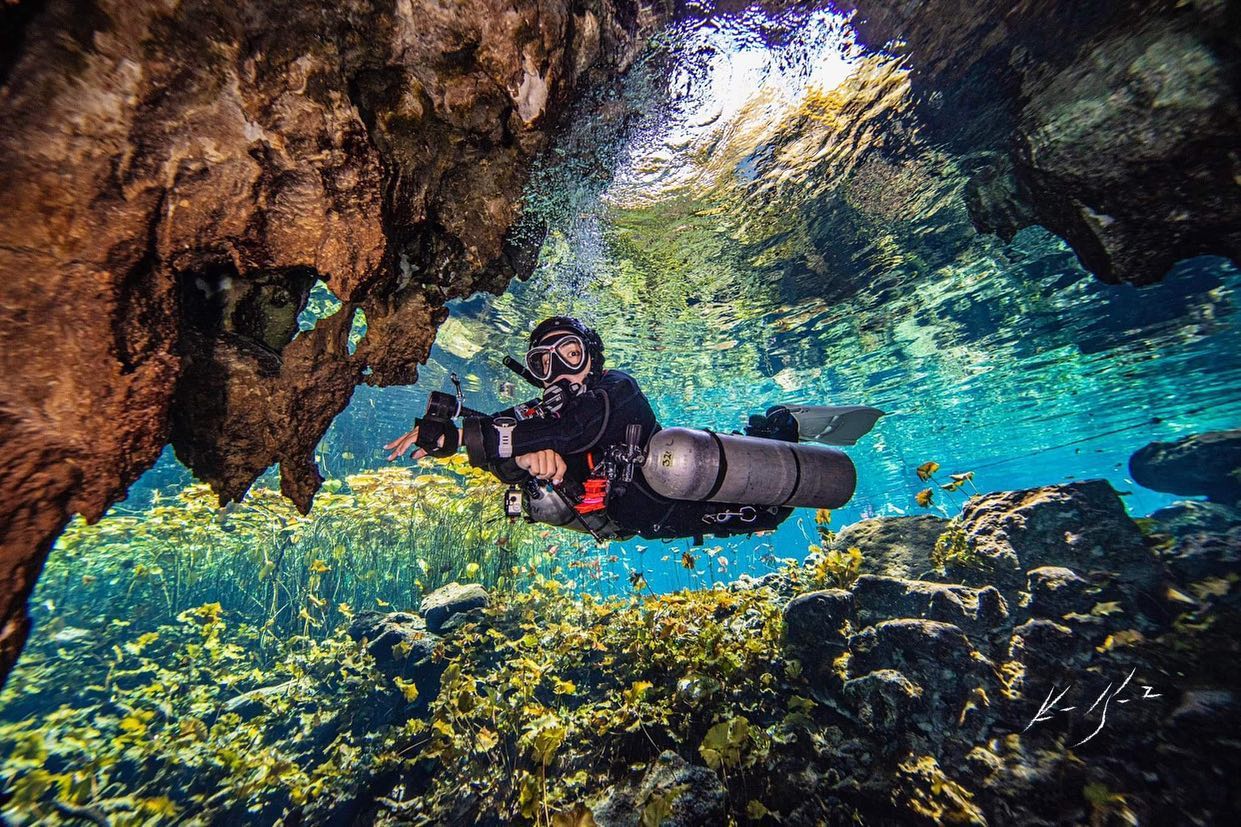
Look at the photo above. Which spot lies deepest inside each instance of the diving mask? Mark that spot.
(556, 355)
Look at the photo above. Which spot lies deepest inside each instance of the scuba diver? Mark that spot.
(589, 455)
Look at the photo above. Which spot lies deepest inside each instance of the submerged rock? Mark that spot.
(402, 647)
(1207, 465)
(921, 665)
(976, 610)
(882, 699)
(1198, 557)
(894, 546)
(672, 793)
(1081, 526)
(255, 701)
(454, 598)
(1049, 649)
(815, 623)
(778, 582)
(1195, 517)
(1111, 124)
(1056, 591)
(1208, 706)
(384, 633)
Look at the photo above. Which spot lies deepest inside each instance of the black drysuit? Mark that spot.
(592, 423)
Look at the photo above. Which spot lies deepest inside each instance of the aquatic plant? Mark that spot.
(952, 548)
(512, 723)
(188, 723)
(191, 722)
(375, 539)
(926, 497)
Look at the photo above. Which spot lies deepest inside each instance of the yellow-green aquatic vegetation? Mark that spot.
(185, 724)
(822, 521)
(512, 720)
(953, 548)
(834, 567)
(544, 702)
(935, 796)
(926, 473)
(375, 539)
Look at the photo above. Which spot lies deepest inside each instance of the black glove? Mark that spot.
(432, 431)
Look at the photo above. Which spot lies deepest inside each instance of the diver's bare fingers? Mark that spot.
(558, 468)
(402, 438)
(401, 444)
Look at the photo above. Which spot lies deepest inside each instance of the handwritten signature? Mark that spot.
(1048, 707)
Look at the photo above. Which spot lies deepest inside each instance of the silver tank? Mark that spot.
(688, 464)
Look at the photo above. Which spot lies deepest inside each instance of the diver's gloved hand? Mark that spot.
(544, 465)
(403, 444)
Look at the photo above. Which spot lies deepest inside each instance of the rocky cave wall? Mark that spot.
(1114, 124)
(176, 176)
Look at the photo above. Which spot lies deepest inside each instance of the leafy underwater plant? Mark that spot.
(953, 548)
(926, 497)
(188, 723)
(834, 567)
(373, 540)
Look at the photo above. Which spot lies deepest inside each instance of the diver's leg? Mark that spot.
(778, 423)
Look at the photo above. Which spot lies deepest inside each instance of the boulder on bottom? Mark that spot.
(814, 622)
(894, 546)
(1200, 464)
(1201, 556)
(673, 793)
(392, 637)
(882, 698)
(1195, 517)
(450, 599)
(1056, 591)
(975, 610)
(1081, 526)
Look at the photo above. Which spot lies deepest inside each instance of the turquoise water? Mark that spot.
(734, 255)
(1029, 375)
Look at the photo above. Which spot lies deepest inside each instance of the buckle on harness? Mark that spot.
(746, 513)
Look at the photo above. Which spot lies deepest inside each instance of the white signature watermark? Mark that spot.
(1048, 707)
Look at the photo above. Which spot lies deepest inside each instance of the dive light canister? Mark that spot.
(548, 506)
(689, 464)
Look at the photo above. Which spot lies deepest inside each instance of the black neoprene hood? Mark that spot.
(594, 342)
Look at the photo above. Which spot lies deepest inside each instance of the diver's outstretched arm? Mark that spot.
(576, 431)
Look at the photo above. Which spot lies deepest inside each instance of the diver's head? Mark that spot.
(562, 349)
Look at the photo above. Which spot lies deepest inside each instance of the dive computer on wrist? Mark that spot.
(504, 426)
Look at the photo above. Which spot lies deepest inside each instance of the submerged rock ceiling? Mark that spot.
(177, 176)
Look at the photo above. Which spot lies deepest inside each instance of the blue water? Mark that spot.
(1068, 390)
(715, 259)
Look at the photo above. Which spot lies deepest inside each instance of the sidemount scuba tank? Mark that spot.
(689, 464)
(768, 466)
